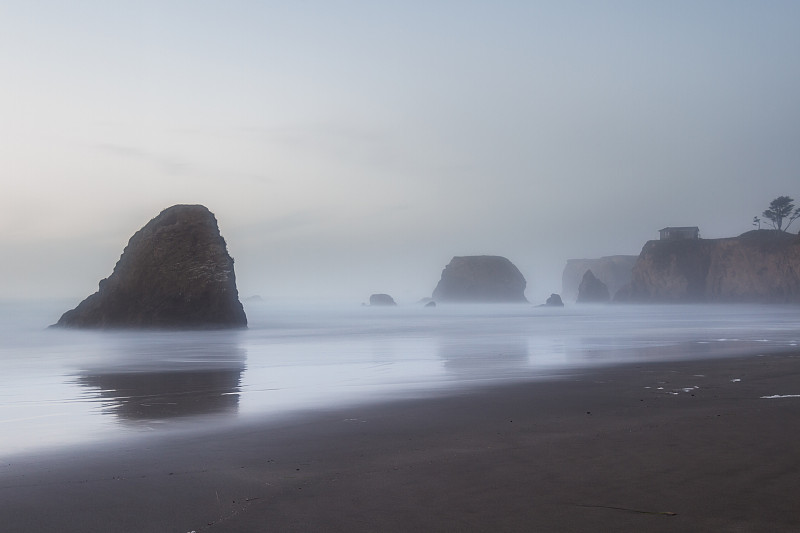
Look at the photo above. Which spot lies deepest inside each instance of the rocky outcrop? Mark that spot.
(174, 273)
(553, 301)
(614, 271)
(592, 290)
(480, 278)
(381, 300)
(758, 266)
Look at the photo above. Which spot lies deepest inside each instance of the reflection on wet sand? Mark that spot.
(152, 395)
(145, 380)
(590, 351)
(479, 358)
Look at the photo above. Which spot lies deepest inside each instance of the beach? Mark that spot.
(705, 445)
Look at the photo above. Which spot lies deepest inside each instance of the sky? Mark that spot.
(349, 148)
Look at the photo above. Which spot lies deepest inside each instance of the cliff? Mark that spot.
(481, 278)
(175, 273)
(757, 266)
(614, 271)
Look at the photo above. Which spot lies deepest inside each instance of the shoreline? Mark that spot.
(600, 449)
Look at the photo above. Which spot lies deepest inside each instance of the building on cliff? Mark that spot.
(679, 233)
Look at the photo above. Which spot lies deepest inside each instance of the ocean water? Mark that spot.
(61, 388)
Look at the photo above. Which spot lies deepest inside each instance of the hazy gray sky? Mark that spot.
(355, 147)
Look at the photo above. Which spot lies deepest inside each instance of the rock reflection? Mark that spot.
(168, 375)
(480, 358)
(591, 351)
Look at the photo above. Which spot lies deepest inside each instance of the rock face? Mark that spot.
(381, 299)
(592, 290)
(614, 271)
(480, 278)
(174, 273)
(758, 266)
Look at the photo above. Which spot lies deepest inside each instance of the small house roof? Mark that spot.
(685, 228)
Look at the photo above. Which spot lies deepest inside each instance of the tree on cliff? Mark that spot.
(782, 209)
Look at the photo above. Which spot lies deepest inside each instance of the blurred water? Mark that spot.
(62, 387)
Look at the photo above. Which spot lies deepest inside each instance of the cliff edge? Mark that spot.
(761, 266)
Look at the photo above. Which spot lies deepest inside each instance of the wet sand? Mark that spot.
(648, 447)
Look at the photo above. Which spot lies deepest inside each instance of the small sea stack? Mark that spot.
(174, 273)
(381, 300)
(592, 290)
(613, 270)
(554, 301)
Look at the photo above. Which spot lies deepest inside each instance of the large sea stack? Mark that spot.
(174, 273)
(481, 278)
(758, 266)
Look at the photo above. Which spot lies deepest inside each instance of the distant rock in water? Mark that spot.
(381, 300)
(613, 270)
(554, 301)
(760, 266)
(430, 304)
(592, 290)
(174, 273)
(481, 278)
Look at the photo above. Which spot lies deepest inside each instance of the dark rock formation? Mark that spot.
(758, 266)
(381, 299)
(174, 273)
(480, 278)
(613, 270)
(430, 304)
(554, 301)
(592, 290)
